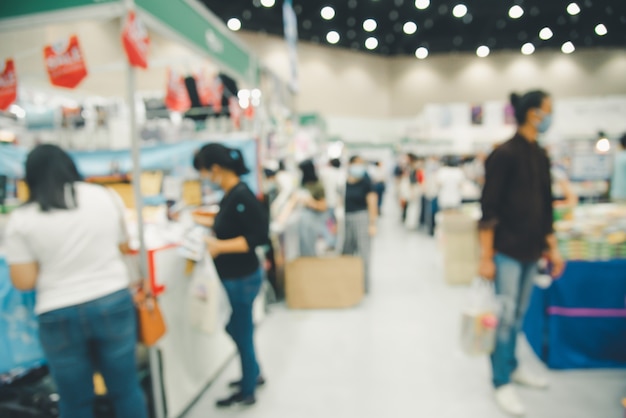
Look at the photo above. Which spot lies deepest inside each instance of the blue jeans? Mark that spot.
(514, 283)
(100, 335)
(241, 293)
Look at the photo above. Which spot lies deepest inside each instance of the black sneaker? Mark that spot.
(236, 399)
(260, 381)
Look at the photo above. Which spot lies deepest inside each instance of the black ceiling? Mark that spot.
(486, 23)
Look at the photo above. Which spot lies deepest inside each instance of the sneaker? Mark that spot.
(260, 381)
(527, 378)
(236, 399)
(509, 401)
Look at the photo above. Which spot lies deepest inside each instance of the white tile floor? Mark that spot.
(397, 355)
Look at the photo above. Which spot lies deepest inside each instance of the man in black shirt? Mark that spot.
(515, 231)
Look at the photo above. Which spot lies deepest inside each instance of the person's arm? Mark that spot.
(372, 207)
(496, 175)
(554, 255)
(317, 205)
(23, 267)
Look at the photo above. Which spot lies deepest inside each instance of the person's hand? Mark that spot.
(204, 220)
(487, 268)
(213, 247)
(372, 230)
(557, 263)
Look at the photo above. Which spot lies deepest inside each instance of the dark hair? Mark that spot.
(335, 162)
(451, 161)
(269, 173)
(309, 175)
(218, 154)
(50, 174)
(622, 141)
(522, 104)
(354, 158)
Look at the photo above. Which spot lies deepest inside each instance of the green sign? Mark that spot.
(183, 19)
(21, 8)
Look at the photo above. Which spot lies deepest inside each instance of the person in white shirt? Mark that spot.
(66, 242)
(379, 179)
(334, 180)
(450, 180)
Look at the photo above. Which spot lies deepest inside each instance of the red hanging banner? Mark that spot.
(65, 63)
(136, 41)
(177, 98)
(8, 85)
(207, 90)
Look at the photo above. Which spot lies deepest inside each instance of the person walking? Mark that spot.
(515, 231)
(333, 179)
(66, 243)
(361, 207)
(240, 226)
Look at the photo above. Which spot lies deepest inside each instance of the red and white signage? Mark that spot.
(177, 98)
(8, 85)
(209, 87)
(136, 41)
(65, 63)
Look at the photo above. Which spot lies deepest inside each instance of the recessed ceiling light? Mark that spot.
(370, 25)
(421, 53)
(333, 37)
(601, 30)
(371, 43)
(459, 10)
(568, 47)
(483, 51)
(351, 34)
(528, 49)
(516, 12)
(410, 28)
(307, 24)
(268, 3)
(352, 4)
(573, 9)
(234, 24)
(422, 4)
(546, 33)
(328, 13)
(394, 15)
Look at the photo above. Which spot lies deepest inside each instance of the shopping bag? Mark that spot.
(208, 308)
(149, 318)
(479, 320)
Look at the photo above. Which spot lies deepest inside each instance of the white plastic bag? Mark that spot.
(479, 321)
(209, 309)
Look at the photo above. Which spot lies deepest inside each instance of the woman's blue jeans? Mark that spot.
(100, 335)
(242, 293)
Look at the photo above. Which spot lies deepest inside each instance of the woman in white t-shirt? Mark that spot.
(450, 180)
(66, 244)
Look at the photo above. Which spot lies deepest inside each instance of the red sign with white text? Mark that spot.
(136, 41)
(65, 63)
(177, 98)
(8, 85)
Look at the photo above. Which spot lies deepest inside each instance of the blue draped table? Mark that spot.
(580, 321)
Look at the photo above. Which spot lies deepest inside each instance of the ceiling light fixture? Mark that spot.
(422, 4)
(603, 145)
(546, 33)
(601, 30)
(410, 28)
(421, 53)
(528, 49)
(483, 51)
(370, 25)
(328, 13)
(573, 9)
(234, 24)
(371, 43)
(568, 47)
(516, 12)
(459, 10)
(333, 37)
(268, 3)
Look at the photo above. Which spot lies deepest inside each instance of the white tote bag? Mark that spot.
(479, 320)
(209, 309)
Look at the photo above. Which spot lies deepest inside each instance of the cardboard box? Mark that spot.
(461, 250)
(324, 283)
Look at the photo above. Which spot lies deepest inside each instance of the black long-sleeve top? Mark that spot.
(517, 199)
(241, 214)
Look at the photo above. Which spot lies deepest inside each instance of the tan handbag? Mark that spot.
(151, 325)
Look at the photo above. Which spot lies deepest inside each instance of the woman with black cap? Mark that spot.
(240, 226)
